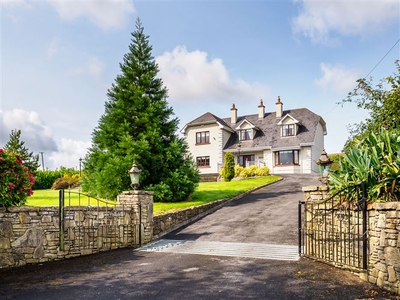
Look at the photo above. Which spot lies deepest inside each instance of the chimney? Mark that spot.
(233, 114)
(261, 110)
(279, 108)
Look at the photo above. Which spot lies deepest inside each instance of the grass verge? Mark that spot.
(205, 193)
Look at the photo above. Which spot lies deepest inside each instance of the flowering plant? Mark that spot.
(15, 180)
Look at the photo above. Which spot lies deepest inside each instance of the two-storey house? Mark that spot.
(286, 141)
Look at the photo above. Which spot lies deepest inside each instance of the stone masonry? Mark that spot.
(383, 239)
(32, 234)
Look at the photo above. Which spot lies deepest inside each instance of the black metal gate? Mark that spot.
(334, 230)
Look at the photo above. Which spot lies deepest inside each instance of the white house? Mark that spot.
(286, 141)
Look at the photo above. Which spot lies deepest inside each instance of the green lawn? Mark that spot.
(205, 193)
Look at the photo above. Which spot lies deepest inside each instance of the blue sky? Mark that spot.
(58, 58)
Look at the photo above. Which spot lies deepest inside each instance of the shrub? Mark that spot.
(336, 157)
(228, 171)
(238, 170)
(374, 159)
(263, 171)
(66, 182)
(45, 179)
(15, 180)
(249, 171)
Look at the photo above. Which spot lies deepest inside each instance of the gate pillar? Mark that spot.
(141, 203)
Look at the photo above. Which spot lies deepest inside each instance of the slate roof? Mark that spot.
(269, 134)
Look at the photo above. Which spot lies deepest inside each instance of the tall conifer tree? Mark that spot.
(138, 125)
(15, 145)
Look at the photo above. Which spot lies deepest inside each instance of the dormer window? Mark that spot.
(245, 134)
(288, 130)
(289, 126)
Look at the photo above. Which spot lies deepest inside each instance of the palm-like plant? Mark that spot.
(375, 160)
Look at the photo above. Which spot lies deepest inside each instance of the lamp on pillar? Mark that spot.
(324, 163)
(134, 173)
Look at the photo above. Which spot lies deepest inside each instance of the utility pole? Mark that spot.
(41, 153)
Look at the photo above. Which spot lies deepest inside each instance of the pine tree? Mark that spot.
(15, 145)
(138, 126)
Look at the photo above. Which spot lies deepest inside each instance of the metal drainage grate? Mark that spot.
(250, 250)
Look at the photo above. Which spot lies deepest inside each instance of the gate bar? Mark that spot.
(61, 219)
(364, 213)
(301, 202)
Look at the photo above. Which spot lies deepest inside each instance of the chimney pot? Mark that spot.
(279, 108)
(233, 114)
(261, 110)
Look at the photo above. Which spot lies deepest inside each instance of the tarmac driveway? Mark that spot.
(267, 216)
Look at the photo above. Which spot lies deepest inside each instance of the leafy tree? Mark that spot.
(382, 102)
(138, 126)
(15, 145)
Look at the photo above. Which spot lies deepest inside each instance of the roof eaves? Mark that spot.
(289, 116)
(227, 128)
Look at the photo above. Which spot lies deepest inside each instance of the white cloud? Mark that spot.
(190, 76)
(16, 3)
(321, 20)
(52, 49)
(94, 67)
(68, 154)
(337, 78)
(107, 14)
(34, 132)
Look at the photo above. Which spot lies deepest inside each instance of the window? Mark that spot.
(245, 134)
(290, 157)
(203, 161)
(288, 130)
(203, 137)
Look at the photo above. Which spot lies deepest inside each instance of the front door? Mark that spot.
(246, 160)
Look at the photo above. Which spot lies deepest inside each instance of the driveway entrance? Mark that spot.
(125, 274)
(263, 224)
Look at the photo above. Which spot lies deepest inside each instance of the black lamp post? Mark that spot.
(239, 146)
(134, 173)
(80, 167)
(324, 163)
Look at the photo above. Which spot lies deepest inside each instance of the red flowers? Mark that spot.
(15, 180)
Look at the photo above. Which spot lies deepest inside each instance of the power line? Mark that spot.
(382, 58)
(387, 53)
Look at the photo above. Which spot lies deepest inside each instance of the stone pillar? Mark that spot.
(142, 205)
(315, 193)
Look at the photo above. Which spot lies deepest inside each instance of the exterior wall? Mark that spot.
(305, 157)
(225, 135)
(286, 170)
(383, 240)
(269, 160)
(166, 223)
(213, 149)
(318, 147)
(384, 245)
(32, 234)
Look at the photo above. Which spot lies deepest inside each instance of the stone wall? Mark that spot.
(383, 239)
(384, 245)
(163, 224)
(33, 235)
